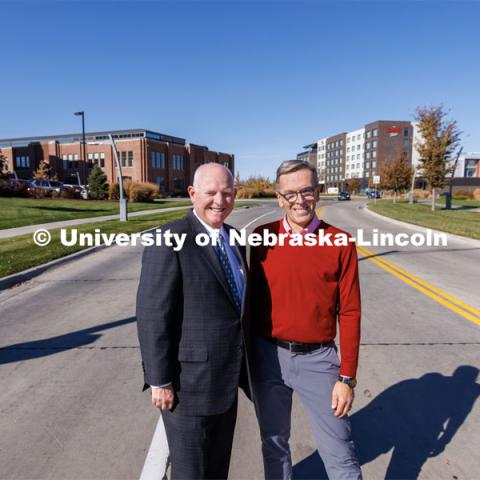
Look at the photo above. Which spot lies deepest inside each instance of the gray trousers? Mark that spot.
(276, 373)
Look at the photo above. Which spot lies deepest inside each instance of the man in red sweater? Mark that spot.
(301, 292)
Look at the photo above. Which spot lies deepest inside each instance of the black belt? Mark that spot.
(297, 347)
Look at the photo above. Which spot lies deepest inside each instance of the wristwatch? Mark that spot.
(351, 382)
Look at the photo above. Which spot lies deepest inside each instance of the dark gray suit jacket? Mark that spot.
(190, 332)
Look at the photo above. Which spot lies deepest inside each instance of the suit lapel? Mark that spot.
(209, 255)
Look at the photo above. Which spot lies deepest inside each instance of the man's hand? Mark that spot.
(342, 399)
(163, 397)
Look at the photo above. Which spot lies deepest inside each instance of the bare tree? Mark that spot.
(397, 175)
(440, 138)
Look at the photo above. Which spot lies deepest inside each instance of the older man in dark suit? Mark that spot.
(192, 331)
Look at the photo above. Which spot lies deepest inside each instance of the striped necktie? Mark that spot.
(227, 270)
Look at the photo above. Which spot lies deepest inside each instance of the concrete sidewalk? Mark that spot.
(13, 232)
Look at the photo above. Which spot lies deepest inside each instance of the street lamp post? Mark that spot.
(84, 146)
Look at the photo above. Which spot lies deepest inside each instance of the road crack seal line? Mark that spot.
(448, 301)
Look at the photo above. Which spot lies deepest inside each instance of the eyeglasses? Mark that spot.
(305, 193)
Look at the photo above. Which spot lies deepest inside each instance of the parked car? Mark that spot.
(81, 189)
(374, 194)
(16, 183)
(49, 185)
(344, 196)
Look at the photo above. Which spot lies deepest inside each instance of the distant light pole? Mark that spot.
(84, 146)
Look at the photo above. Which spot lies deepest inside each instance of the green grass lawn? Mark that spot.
(460, 222)
(18, 212)
(20, 252)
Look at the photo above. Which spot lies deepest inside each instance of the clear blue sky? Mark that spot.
(257, 79)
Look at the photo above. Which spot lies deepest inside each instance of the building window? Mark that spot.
(97, 158)
(102, 160)
(65, 162)
(367, 174)
(470, 166)
(130, 158)
(70, 161)
(374, 144)
(178, 183)
(406, 132)
(160, 181)
(178, 162)
(367, 164)
(123, 156)
(22, 161)
(90, 158)
(374, 164)
(367, 156)
(369, 133)
(158, 160)
(368, 145)
(375, 132)
(374, 154)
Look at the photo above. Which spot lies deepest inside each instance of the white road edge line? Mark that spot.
(258, 218)
(156, 462)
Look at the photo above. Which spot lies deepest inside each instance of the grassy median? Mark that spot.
(460, 221)
(19, 212)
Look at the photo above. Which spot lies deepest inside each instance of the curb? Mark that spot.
(471, 241)
(21, 277)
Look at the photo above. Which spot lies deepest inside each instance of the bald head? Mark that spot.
(208, 170)
(212, 193)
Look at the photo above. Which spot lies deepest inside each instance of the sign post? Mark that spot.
(376, 181)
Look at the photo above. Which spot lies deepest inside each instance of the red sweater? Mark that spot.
(299, 291)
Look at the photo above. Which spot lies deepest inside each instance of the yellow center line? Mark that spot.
(320, 210)
(432, 292)
(400, 270)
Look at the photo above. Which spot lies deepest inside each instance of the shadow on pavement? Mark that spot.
(50, 346)
(416, 418)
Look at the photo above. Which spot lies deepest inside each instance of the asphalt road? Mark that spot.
(71, 405)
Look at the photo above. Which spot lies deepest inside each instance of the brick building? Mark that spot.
(144, 155)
